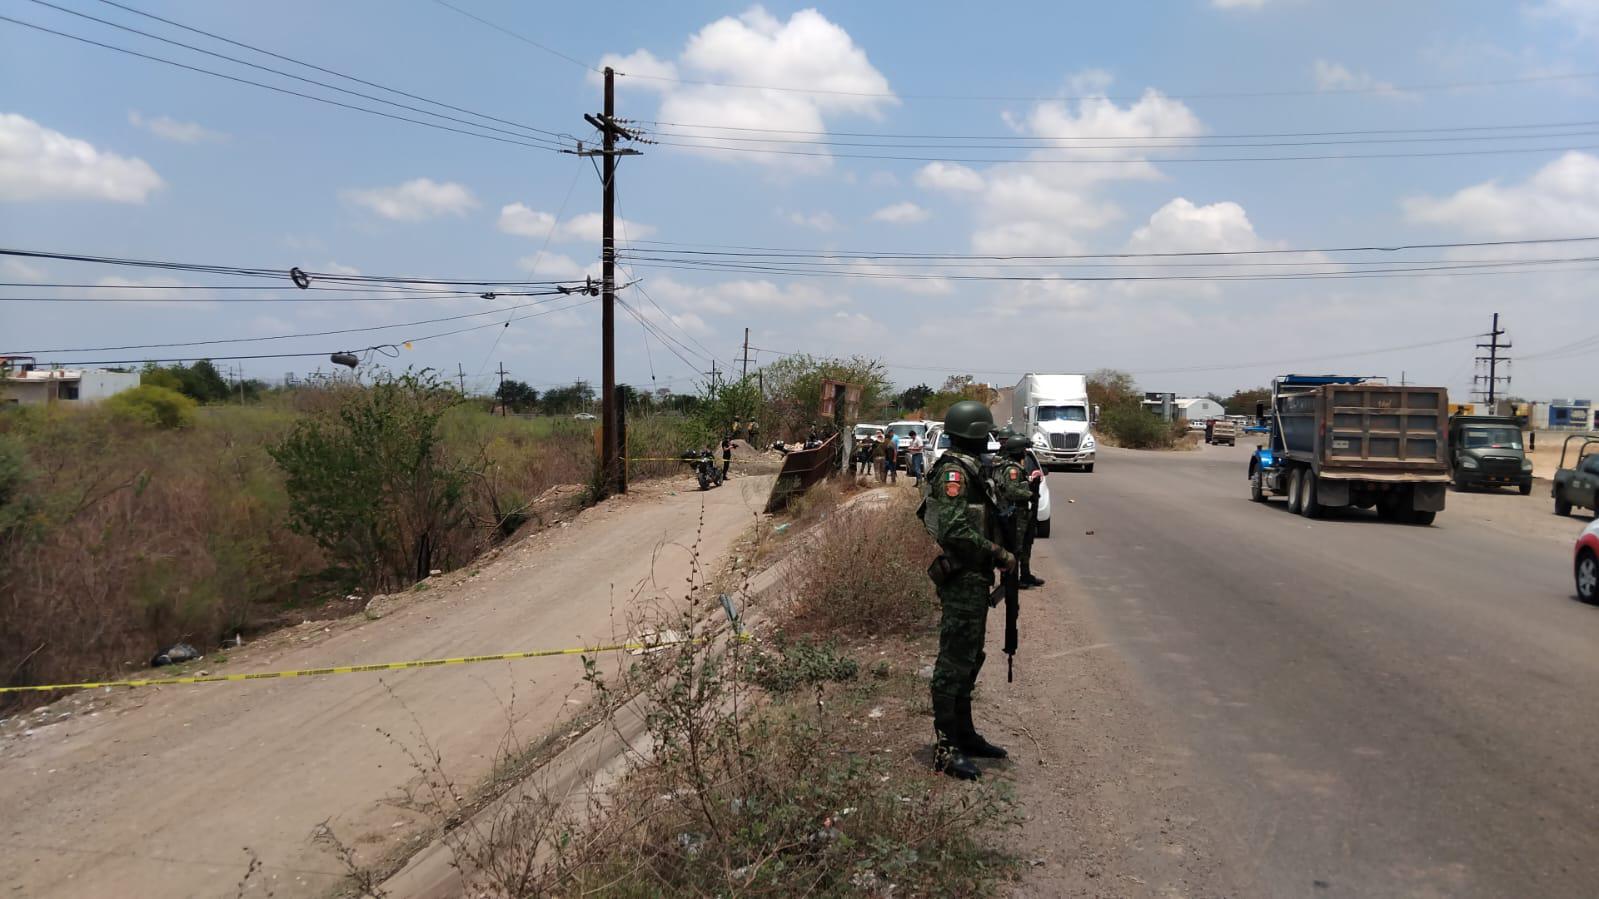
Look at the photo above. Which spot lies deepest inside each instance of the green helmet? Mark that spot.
(1016, 446)
(968, 419)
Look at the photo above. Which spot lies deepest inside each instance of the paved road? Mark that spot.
(1371, 709)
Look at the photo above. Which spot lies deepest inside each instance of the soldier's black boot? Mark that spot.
(947, 755)
(1028, 579)
(972, 742)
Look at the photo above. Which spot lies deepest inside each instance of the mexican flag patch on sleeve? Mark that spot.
(952, 483)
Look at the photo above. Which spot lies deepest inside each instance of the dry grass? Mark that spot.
(865, 570)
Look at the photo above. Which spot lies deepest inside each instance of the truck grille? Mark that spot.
(1064, 441)
(1501, 466)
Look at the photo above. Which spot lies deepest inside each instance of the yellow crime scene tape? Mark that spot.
(353, 669)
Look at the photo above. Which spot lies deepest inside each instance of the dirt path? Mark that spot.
(158, 792)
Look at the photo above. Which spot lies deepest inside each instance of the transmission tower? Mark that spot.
(1485, 383)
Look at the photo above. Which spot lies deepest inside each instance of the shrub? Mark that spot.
(865, 570)
(1129, 424)
(372, 484)
(158, 406)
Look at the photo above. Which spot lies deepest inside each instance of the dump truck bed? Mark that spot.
(1367, 431)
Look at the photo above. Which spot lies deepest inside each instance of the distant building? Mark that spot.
(1199, 408)
(29, 386)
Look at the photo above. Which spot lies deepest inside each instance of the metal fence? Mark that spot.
(801, 470)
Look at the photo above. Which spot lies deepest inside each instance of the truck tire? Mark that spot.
(1257, 487)
(1526, 488)
(1421, 517)
(1089, 468)
(1296, 486)
(1562, 507)
(1308, 504)
(1041, 529)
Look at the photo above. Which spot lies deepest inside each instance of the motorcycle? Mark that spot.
(705, 468)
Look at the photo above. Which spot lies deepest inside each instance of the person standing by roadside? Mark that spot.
(959, 511)
(916, 448)
(727, 454)
(891, 458)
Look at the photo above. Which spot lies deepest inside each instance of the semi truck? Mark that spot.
(1344, 441)
(1053, 412)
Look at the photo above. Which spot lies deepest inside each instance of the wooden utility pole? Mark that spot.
(502, 388)
(610, 447)
(745, 360)
(460, 377)
(1490, 381)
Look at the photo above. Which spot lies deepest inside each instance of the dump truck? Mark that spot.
(1221, 431)
(1343, 441)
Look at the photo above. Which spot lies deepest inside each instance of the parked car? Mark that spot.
(864, 430)
(1586, 564)
(586, 416)
(1579, 484)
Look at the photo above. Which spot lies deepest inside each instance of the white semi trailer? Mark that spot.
(1053, 412)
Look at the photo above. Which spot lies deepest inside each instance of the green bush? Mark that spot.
(159, 406)
(1129, 424)
(372, 484)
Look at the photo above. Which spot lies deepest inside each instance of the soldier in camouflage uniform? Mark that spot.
(959, 510)
(1023, 485)
(1014, 494)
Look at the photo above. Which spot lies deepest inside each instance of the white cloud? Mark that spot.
(524, 221)
(1047, 202)
(948, 176)
(756, 48)
(334, 268)
(21, 271)
(816, 221)
(1560, 198)
(1336, 77)
(906, 213)
(519, 219)
(590, 227)
(557, 267)
(174, 130)
(1182, 227)
(1580, 17)
(906, 280)
(415, 200)
(1238, 4)
(37, 163)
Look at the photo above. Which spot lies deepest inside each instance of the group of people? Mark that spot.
(980, 509)
(887, 454)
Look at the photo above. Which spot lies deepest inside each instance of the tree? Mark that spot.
(371, 483)
(915, 398)
(579, 397)
(153, 405)
(955, 389)
(1108, 387)
(517, 396)
(794, 391)
(200, 382)
(1242, 402)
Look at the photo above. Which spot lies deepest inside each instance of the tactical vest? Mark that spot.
(977, 493)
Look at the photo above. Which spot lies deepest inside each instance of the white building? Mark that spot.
(1199, 409)
(32, 387)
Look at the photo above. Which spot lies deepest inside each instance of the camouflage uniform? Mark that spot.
(960, 515)
(1015, 498)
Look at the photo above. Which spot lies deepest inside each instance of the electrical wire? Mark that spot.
(1586, 123)
(877, 254)
(214, 341)
(986, 266)
(1316, 157)
(300, 78)
(622, 220)
(301, 62)
(523, 38)
(275, 88)
(275, 273)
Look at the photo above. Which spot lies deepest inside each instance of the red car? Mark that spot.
(1587, 563)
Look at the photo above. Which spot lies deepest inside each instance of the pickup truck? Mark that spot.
(1579, 484)
(1337, 440)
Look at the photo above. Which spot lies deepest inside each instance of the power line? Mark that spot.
(521, 37)
(889, 254)
(270, 87)
(213, 341)
(328, 71)
(1430, 154)
(260, 272)
(1212, 95)
(824, 264)
(1236, 136)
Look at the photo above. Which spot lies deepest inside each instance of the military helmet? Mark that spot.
(968, 419)
(1016, 445)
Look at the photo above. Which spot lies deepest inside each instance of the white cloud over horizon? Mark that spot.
(524, 221)
(39, 163)
(414, 201)
(173, 130)
(1335, 77)
(906, 213)
(1559, 199)
(807, 51)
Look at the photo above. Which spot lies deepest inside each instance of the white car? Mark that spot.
(586, 416)
(938, 441)
(1586, 563)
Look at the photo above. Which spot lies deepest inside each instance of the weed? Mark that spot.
(865, 570)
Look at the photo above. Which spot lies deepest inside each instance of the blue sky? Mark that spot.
(109, 155)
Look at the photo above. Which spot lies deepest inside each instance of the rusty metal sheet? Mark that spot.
(801, 470)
